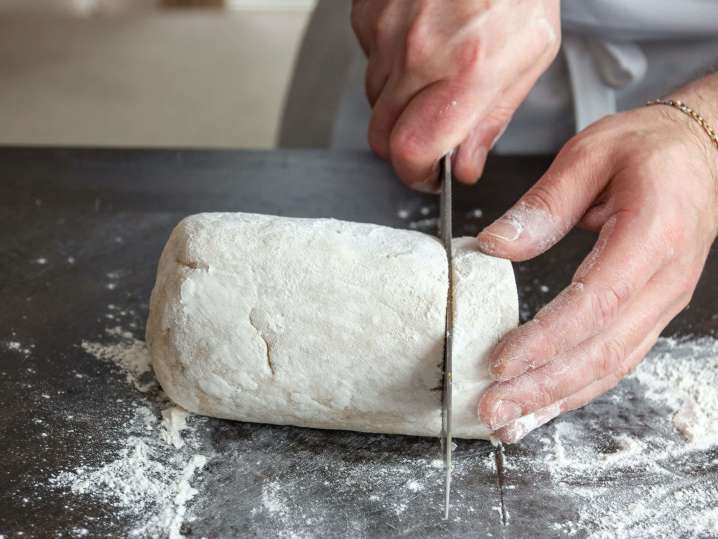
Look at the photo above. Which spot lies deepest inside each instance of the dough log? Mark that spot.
(323, 323)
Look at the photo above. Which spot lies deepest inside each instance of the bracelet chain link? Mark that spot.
(685, 109)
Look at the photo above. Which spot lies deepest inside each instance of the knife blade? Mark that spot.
(445, 213)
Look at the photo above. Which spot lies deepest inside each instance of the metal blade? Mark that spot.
(445, 212)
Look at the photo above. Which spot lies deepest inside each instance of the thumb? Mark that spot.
(553, 205)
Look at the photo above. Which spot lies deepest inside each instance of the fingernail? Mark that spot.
(426, 187)
(514, 433)
(517, 430)
(504, 412)
(431, 183)
(534, 226)
(504, 229)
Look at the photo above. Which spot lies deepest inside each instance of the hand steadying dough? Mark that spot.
(647, 180)
(323, 323)
(442, 74)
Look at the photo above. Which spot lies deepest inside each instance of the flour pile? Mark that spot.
(149, 479)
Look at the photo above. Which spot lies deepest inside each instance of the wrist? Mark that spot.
(701, 96)
(698, 117)
(690, 118)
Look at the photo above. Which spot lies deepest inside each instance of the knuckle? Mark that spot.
(404, 147)
(606, 301)
(378, 142)
(541, 197)
(374, 80)
(498, 117)
(544, 391)
(467, 55)
(418, 51)
(610, 360)
(384, 27)
(672, 231)
(548, 393)
(549, 342)
(359, 19)
(687, 285)
(577, 148)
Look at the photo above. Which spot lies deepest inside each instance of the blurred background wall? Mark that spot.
(204, 73)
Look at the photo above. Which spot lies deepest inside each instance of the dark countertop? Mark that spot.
(82, 229)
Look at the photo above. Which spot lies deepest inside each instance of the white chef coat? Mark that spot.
(615, 55)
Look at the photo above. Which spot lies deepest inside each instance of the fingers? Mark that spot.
(471, 155)
(375, 81)
(387, 25)
(612, 353)
(516, 430)
(553, 205)
(433, 123)
(361, 23)
(394, 98)
(606, 280)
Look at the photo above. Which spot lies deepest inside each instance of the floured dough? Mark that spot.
(323, 323)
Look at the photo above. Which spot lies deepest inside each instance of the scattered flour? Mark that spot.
(16, 346)
(174, 421)
(680, 376)
(414, 485)
(149, 479)
(276, 503)
(430, 225)
(129, 354)
(689, 389)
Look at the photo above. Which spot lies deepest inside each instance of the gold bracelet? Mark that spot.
(685, 109)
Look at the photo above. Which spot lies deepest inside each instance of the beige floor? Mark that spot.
(178, 78)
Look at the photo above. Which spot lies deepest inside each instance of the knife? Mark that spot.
(445, 213)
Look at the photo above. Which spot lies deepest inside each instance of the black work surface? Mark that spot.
(81, 229)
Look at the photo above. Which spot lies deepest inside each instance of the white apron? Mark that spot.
(615, 55)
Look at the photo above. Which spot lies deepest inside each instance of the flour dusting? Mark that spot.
(680, 378)
(174, 421)
(127, 353)
(149, 479)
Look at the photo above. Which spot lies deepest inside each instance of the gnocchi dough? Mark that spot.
(324, 323)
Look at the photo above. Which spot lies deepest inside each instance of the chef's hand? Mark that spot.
(648, 181)
(442, 75)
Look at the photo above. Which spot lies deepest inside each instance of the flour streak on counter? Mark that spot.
(149, 479)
